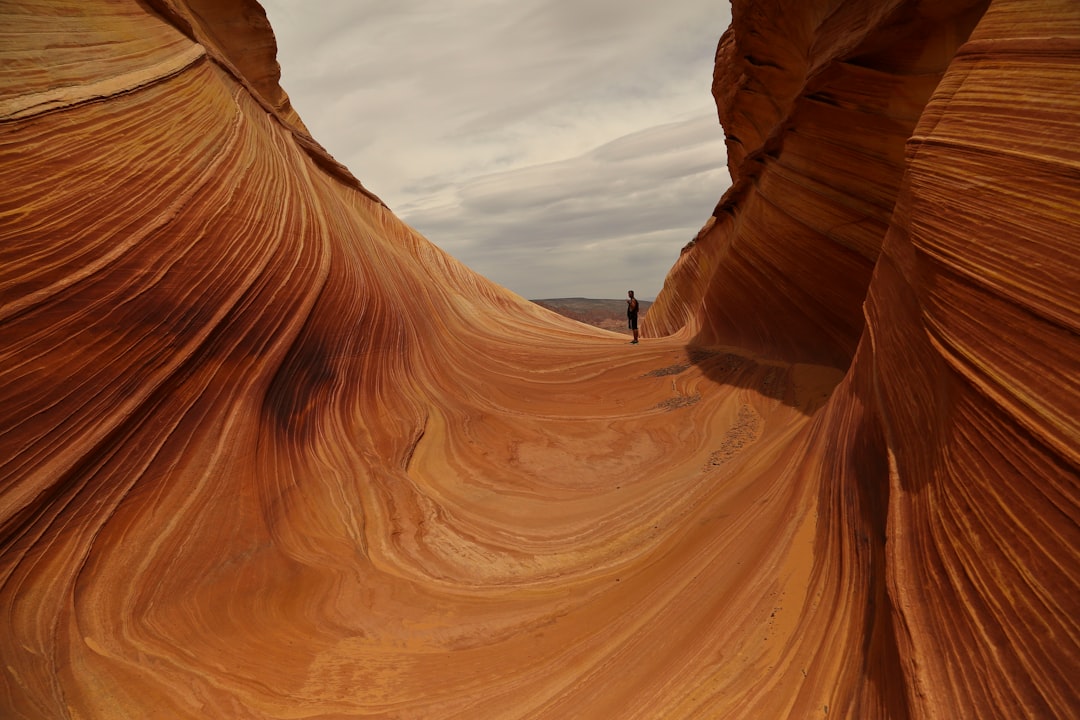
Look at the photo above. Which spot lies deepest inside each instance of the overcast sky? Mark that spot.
(562, 148)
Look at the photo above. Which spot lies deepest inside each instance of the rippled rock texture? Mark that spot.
(267, 453)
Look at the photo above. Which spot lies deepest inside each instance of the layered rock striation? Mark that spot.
(265, 452)
(920, 156)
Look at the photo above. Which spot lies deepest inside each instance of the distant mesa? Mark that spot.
(606, 314)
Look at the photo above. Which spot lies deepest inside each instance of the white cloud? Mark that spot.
(560, 147)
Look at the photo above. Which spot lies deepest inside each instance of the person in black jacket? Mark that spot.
(631, 315)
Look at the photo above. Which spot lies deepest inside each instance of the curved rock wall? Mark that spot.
(947, 134)
(817, 101)
(265, 452)
(973, 318)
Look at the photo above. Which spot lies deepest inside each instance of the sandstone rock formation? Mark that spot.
(265, 452)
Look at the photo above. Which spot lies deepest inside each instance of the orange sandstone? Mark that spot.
(266, 453)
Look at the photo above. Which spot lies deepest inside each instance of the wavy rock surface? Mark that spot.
(935, 145)
(267, 453)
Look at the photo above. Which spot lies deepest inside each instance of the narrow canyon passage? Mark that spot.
(267, 452)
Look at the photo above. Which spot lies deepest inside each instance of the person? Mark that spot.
(631, 315)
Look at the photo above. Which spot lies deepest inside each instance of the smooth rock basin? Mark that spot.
(265, 452)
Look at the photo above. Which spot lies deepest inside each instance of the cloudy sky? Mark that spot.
(562, 148)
